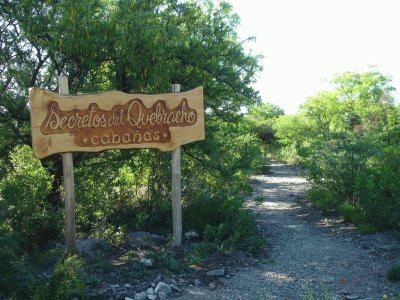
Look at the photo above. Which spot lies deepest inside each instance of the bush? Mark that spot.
(66, 282)
(23, 200)
(221, 219)
(378, 190)
(198, 252)
(15, 274)
(323, 198)
(394, 274)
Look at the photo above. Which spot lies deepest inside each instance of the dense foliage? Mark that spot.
(348, 139)
(133, 46)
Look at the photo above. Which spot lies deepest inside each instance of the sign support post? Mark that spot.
(68, 177)
(176, 189)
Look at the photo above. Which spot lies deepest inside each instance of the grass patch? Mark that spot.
(198, 253)
(367, 228)
(347, 211)
(322, 199)
(394, 273)
(167, 260)
(309, 294)
(67, 281)
(259, 200)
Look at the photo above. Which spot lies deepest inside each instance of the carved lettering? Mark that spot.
(132, 123)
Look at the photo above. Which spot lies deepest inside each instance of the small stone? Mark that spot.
(216, 272)
(141, 238)
(328, 280)
(175, 288)
(121, 295)
(173, 281)
(152, 297)
(389, 247)
(141, 296)
(127, 298)
(127, 286)
(163, 287)
(162, 295)
(150, 291)
(212, 285)
(100, 291)
(191, 235)
(153, 285)
(228, 276)
(88, 246)
(352, 297)
(114, 286)
(147, 262)
(197, 282)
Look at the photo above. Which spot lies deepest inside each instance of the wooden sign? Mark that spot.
(114, 120)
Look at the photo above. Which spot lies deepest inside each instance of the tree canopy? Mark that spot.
(132, 46)
(347, 138)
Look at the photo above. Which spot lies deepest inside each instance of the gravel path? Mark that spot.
(307, 252)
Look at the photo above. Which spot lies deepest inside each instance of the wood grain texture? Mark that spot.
(176, 189)
(114, 120)
(69, 187)
(69, 202)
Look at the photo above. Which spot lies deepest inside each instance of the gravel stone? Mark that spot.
(216, 272)
(141, 296)
(163, 287)
(197, 282)
(175, 288)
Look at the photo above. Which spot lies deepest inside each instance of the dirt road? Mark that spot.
(308, 253)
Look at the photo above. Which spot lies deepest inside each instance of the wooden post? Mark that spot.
(176, 189)
(68, 177)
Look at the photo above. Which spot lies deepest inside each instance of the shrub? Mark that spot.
(66, 282)
(23, 200)
(322, 197)
(14, 272)
(199, 252)
(394, 273)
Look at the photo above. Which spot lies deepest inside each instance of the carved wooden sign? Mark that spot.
(114, 120)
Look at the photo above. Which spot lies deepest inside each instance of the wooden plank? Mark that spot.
(69, 191)
(176, 189)
(69, 202)
(114, 120)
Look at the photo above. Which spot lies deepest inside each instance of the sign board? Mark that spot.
(114, 120)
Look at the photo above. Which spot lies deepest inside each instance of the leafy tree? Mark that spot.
(346, 138)
(261, 119)
(368, 99)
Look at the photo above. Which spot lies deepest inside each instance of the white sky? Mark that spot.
(306, 42)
